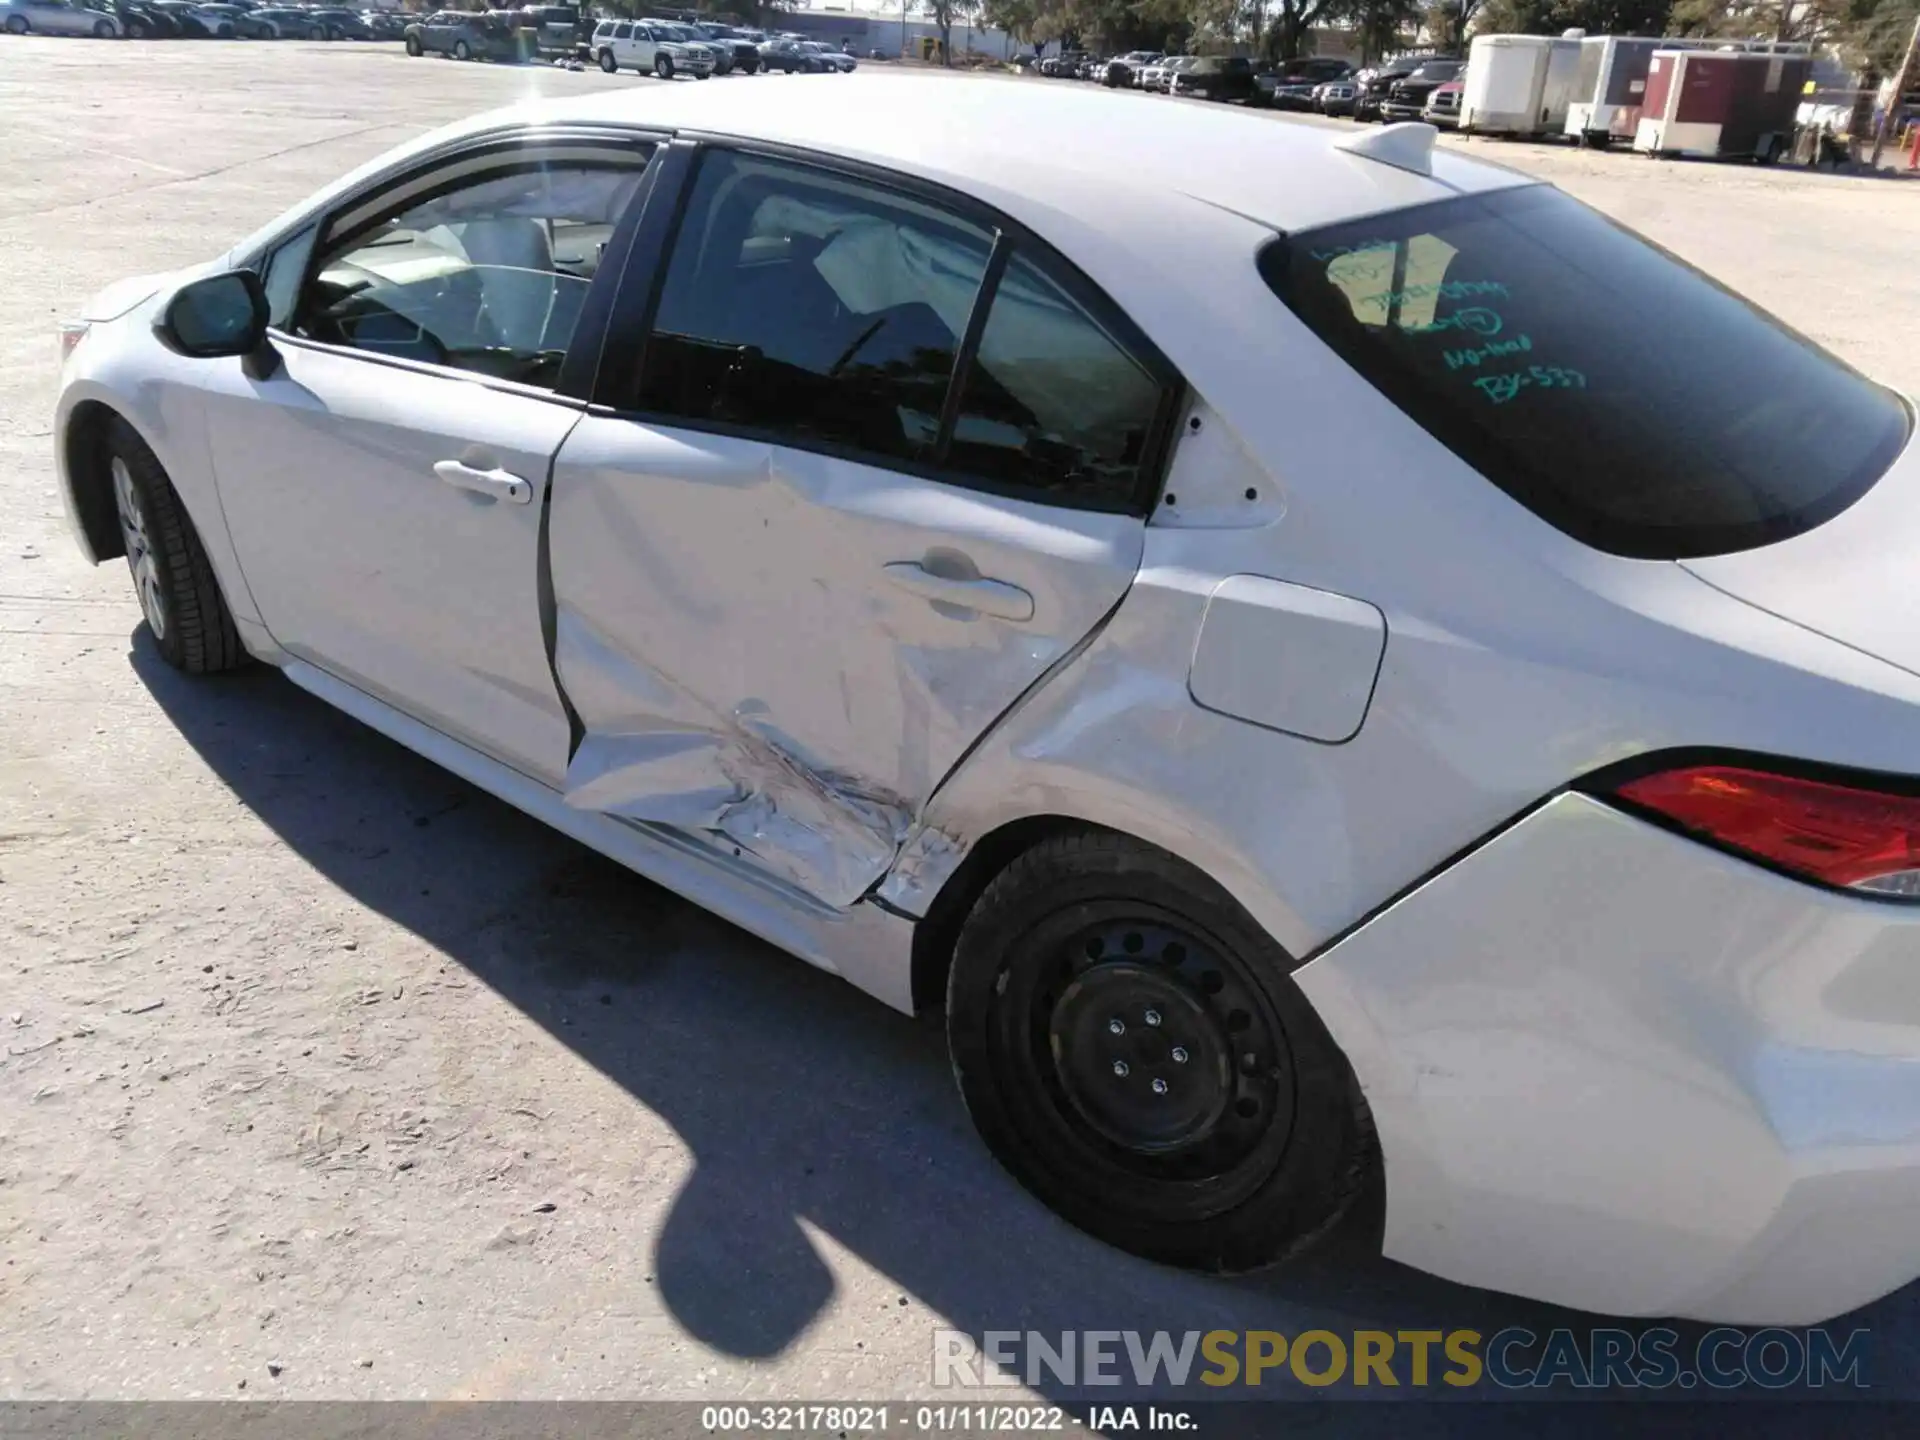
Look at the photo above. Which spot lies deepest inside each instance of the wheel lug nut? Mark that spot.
(1116, 1027)
(1159, 1087)
(1152, 1017)
(1179, 1054)
(1120, 1068)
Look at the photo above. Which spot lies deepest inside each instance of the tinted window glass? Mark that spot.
(812, 306)
(490, 277)
(1609, 387)
(1053, 402)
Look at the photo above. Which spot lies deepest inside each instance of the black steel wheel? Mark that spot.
(1132, 1047)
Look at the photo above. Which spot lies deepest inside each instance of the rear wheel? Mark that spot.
(1132, 1047)
(663, 66)
(608, 63)
(16, 25)
(317, 32)
(172, 576)
(462, 50)
(103, 30)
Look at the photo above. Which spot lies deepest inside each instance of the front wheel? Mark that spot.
(462, 50)
(172, 577)
(1133, 1048)
(103, 30)
(414, 48)
(663, 66)
(317, 32)
(16, 24)
(608, 63)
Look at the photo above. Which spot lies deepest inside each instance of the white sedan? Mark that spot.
(56, 17)
(1320, 653)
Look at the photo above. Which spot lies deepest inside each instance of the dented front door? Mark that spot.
(786, 652)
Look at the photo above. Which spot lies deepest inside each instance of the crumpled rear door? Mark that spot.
(785, 653)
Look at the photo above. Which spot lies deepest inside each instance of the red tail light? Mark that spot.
(1836, 834)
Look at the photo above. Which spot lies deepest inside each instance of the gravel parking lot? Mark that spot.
(326, 1076)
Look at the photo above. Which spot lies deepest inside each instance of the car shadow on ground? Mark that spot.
(800, 1098)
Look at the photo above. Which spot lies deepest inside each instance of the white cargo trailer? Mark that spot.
(1519, 84)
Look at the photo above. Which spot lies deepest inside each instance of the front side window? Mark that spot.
(819, 308)
(490, 277)
(1609, 387)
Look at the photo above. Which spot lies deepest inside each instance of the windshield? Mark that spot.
(1611, 388)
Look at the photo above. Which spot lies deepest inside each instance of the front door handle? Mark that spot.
(500, 484)
(988, 597)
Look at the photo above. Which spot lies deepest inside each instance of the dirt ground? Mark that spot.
(326, 1076)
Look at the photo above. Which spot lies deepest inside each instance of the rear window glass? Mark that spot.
(1608, 386)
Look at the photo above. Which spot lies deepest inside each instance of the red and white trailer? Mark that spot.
(1721, 104)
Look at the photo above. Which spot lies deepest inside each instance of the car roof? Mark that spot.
(980, 135)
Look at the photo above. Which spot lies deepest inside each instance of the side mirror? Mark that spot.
(220, 315)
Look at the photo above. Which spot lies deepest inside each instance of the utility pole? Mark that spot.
(1901, 80)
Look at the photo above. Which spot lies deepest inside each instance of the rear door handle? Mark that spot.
(988, 597)
(500, 484)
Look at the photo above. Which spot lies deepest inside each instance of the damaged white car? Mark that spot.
(1320, 654)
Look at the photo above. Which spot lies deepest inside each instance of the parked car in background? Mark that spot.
(57, 17)
(284, 22)
(141, 22)
(720, 57)
(464, 35)
(1290, 85)
(789, 58)
(1215, 77)
(730, 43)
(193, 24)
(1372, 83)
(1443, 105)
(650, 49)
(1123, 71)
(386, 24)
(838, 61)
(1163, 74)
(1334, 97)
(1065, 66)
(245, 26)
(1406, 98)
(552, 30)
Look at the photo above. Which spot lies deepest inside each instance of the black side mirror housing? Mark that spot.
(220, 315)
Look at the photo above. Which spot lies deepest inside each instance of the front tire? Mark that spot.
(17, 25)
(462, 50)
(317, 32)
(608, 63)
(1132, 1047)
(172, 577)
(663, 66)
(414, 47)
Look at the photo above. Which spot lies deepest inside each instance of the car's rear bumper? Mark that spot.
(1619, 1070)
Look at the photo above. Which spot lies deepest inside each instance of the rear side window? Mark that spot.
(1606, 385)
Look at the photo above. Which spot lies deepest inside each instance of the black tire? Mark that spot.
(317, 32)
(1266, 1142)
(749, 69)
(663, 66)
(103, 30)
(462, 50)
(608, 63)
(136, 30)
(17, 25)
(178, 594)
(414, 47)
